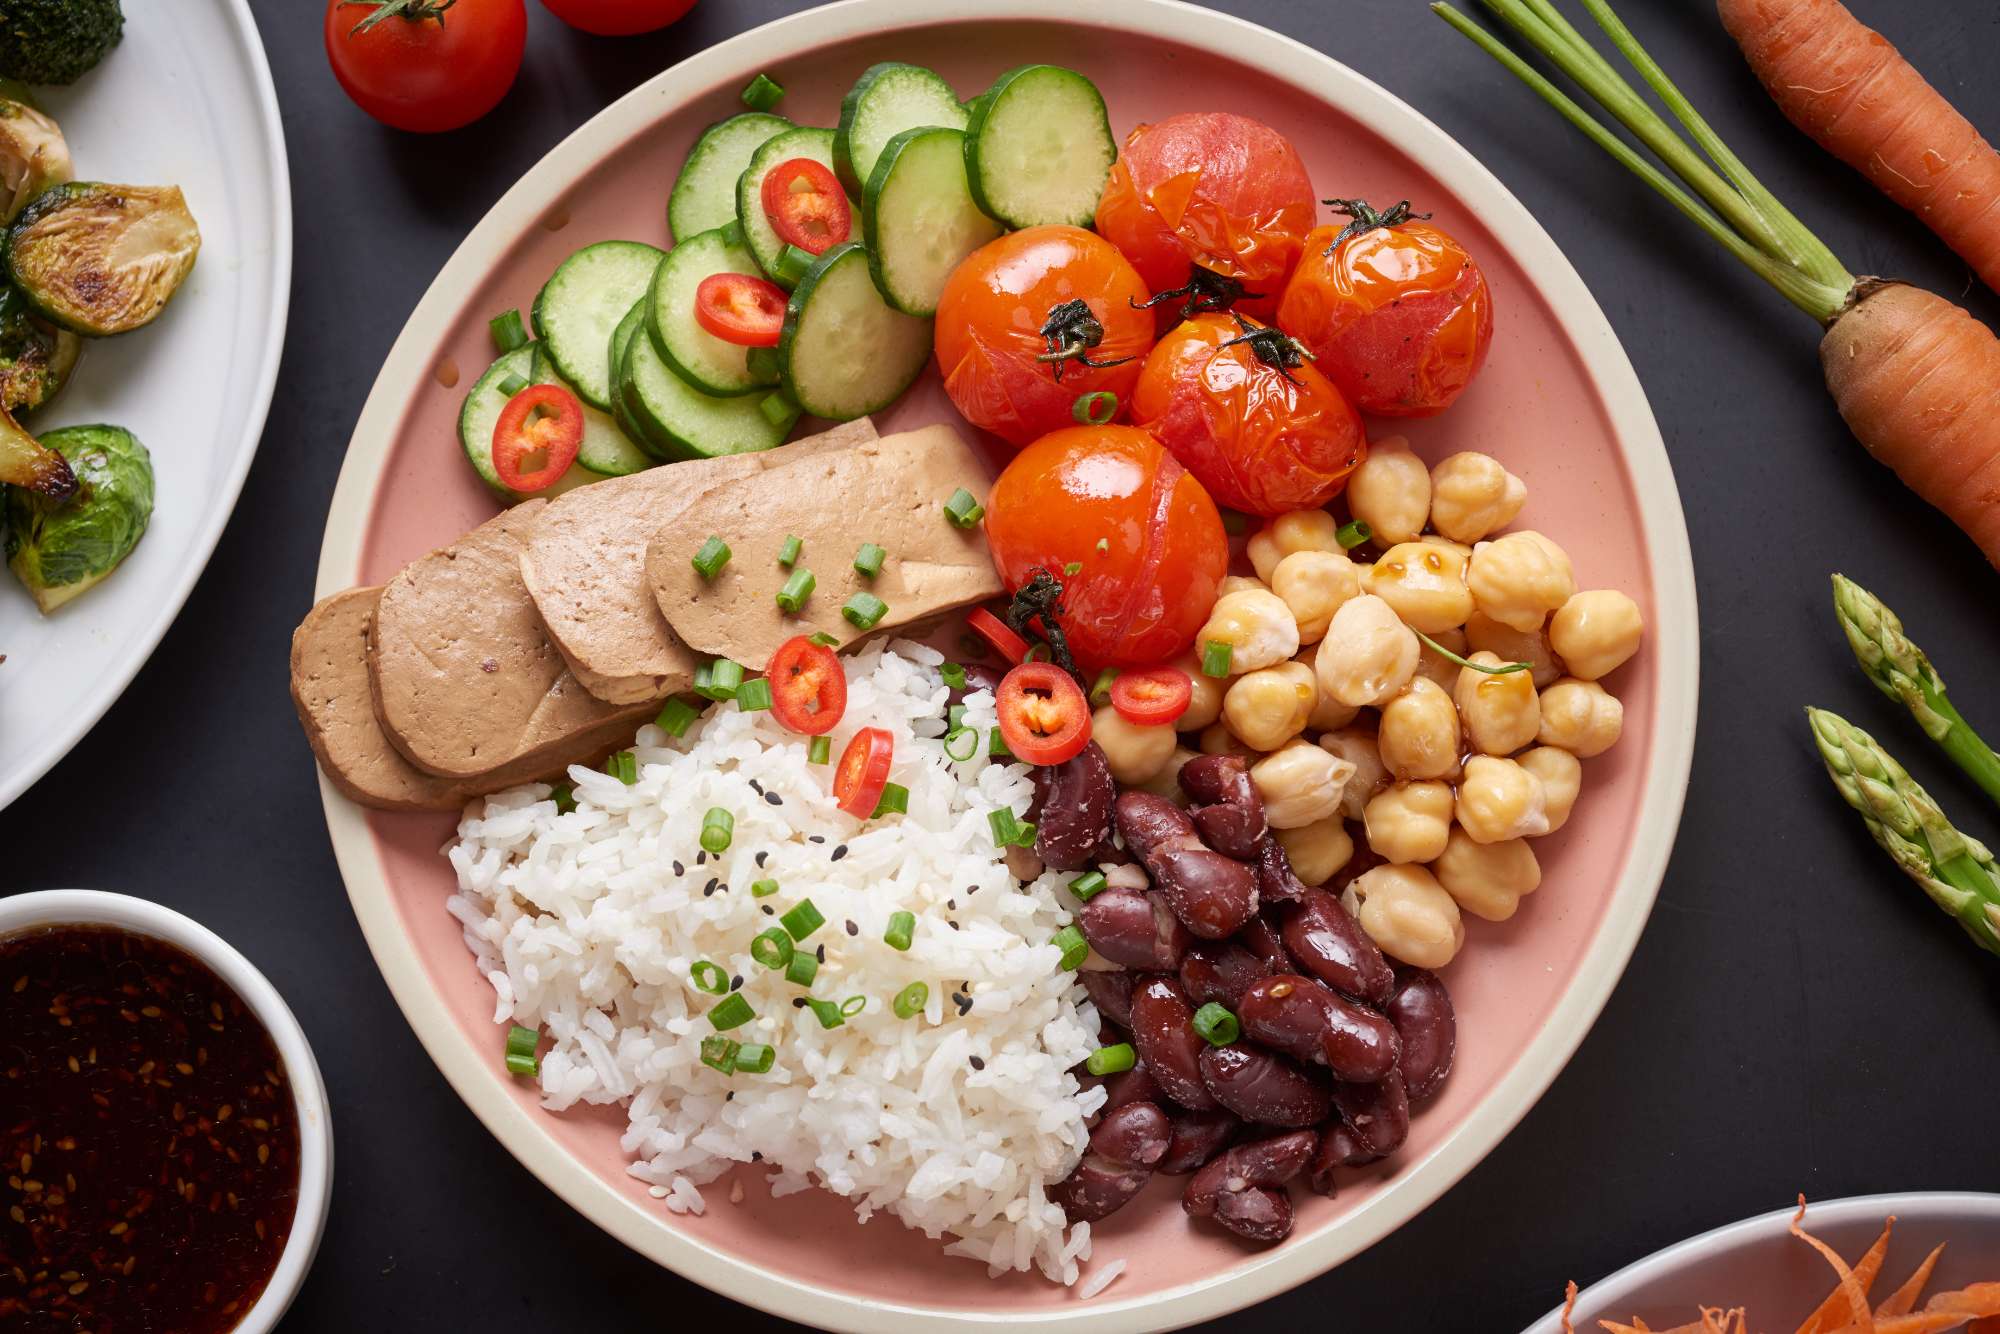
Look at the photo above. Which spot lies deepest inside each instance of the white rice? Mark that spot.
(585, 932)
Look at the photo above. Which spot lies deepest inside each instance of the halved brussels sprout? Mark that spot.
(35, 356)
(102, 259)
(33, 156)
(59, 549)
(27, 464)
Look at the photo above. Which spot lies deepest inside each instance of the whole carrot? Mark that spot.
(1848, 87)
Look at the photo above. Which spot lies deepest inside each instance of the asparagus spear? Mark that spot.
(1955, 870)
(1903, 673)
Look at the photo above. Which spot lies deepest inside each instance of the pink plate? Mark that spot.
(1558, 402)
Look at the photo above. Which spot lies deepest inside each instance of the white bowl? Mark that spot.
(70, 907)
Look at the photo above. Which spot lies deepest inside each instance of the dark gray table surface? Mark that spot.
(1797, 1017)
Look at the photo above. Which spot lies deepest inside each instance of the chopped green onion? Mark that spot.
(717, 828)
(1073, 568)
(513, 385)
(521, 1058)
(826, 1011)
(777, 408)
(803, 968)
(754, 696)
(1094, 409)
(719, 1053)
(961, 743)
(1088, 885)
(864, 610)
(1215, 656)
(954, 718)
(1103, 545)
(1235, 523)
(772, 948)
(823, 639)
(802, 919)
(792, 265)
(996, 746)
(1075, 949)
(565, 799)
(714, 554)
(763, 93)
(910, 1001)
(1100, 689)
(1009, 832)
(708, 976)
(754, 1058)
(676, 716)
(732, 1011)
(509, 334)
(718, 680)
(1113, 1060)
(798, 587)
(819, 750)
(1353, 533)
(852, 1006)
(1217, 1026)
(624, 766)
(763, 889)
(953, 674)
(868, 559)
(895, 800)
(902, 930)
(788, 554)
(963, 508)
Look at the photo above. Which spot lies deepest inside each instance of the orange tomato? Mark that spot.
(1014, 304)
(1396, 311)
(1255, 423)
(1146, 541)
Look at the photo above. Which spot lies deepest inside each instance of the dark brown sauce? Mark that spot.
(149, 1152)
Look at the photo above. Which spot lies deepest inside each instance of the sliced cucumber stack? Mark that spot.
(759, 237)
(632, 326)
(886, 100)
(582, 303)
(1039, 148)
(606, 449)
(481, 412)
(919, 218)
(704, 193)
(698, 356)
(680, 422)
(845, 351)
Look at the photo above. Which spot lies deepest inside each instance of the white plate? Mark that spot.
(185, 99)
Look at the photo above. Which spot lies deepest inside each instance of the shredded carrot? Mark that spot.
(1904, 1299)
(1839, 1309)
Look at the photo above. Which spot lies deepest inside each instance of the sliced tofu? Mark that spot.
(584, 564)
(890, 492)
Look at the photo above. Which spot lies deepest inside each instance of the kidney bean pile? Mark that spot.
(1330, 1042)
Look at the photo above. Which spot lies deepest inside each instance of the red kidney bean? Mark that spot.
(1264, 1087)
(1111, 993)
(1250, 1169)
(1073, 809)
(1330, 945)
(1134, 1085)
(1219, 970)
(1197, 1137)
(1136, 1133)
(1308, 1022)
(1421, 1011)
(1378, 1113)
(1337, 1148)
(1277, 882)
(1213, 894)
(1118, 1164)
(1261, 938)
(1135, 929)
(1256, 1214)
(1163, 1032)
(1228, 809)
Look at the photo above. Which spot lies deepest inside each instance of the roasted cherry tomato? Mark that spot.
(618, 18)
(1209, 190)
(808, 686)
(1044, 717)
(1397, 312)
(740, 309)
(863, 771)
(429, 65)
(1144, 537)
(1250, 416)
(1029, 323)
(536, 437)
(1152, 698)
(807, 206)
(997, 633)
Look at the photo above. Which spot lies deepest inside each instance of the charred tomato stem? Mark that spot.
(1274, 347)
(1070, 332)
(1037, 608)
(1206, 291)
(1366, 219)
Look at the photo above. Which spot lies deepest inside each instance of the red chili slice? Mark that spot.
(995, 632)
(806, 206)
(740, 309)
(808, 686)
(863, 771)
(1152, 698)
(1044, 717)
(541, 427)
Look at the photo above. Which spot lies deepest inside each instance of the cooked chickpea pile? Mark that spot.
(1347, 715)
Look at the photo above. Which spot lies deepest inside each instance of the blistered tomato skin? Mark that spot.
(1139, 600)
(1261, 439)
(1399, 317)
(991, 314)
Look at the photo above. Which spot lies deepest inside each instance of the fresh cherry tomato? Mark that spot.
(1256, 422)
(806, 205)
(1044, 717)
(1152, 698)
(1032, 321)
(1209, 190)
(1145, 538)
(618, 18)
(808, 686)
(740, 309)
(536, 437)
(997, 633)
(863, 772)
(1397, 312)
(428, 66)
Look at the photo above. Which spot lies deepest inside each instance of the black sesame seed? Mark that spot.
(852, 929)
(736, 982)
(815, 838)
(756, 1157)
(951, 923)
(680, 869)
(757, 787)
(774, 799)
(951, 905)
(701, 858)
(839, 852)
(709, 888)
(763, 855)
(798, 1002)
(978, 1064)
(769, 911)
(962, 1001)
(820, 954)
(731, 1095)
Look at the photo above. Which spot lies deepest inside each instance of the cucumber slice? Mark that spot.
(705, 192)
(762, 241)
(628, 328)
(1039, 147)
(581, 304)
(845, 351)
(886, 100)
(476, 419)
(681, 422)
(919, 219)
(698, 356)
(606, 448)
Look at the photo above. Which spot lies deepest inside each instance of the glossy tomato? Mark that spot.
(429, 66)
(1397, 312)
(1032, 321)
(1145, 540)
(1251, 418)
(617, 18)
(1209, 189)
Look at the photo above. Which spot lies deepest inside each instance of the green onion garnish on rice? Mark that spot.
(521, 1058)
(732, 1011)
(708, 976)
(802, 919)
(717, 828)
(910, 1001)
(902, 930)
(772, 948)
(1075, 949)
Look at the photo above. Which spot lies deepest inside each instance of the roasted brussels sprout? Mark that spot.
(59, 549)
(56, 41)
(27, 464)
(102, 259)
(33, 156)
(35, 356)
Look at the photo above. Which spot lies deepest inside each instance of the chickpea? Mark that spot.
(1269, 707)
(1425, 583)
(1501, 713)
(1407, 914)
(1435, 665)
(1236, 583)
(1300, 784)
(1472, 497)
(1487, 635)
(1327, 712)
(1391, 491)
(1582, 717)
(1562, 778)
(1314, 584)
(1499, 800)
(1135, 753)
(1596, 632)
(1368, 654)
(1288, 534)
(1487, 879)
(1410, 821)
(1519, 578)
(1217, 739)
(1418, 737)
(1166, 783)
(1356, 745)
(1204, 696)
(1257, 626)
(1317, 850)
